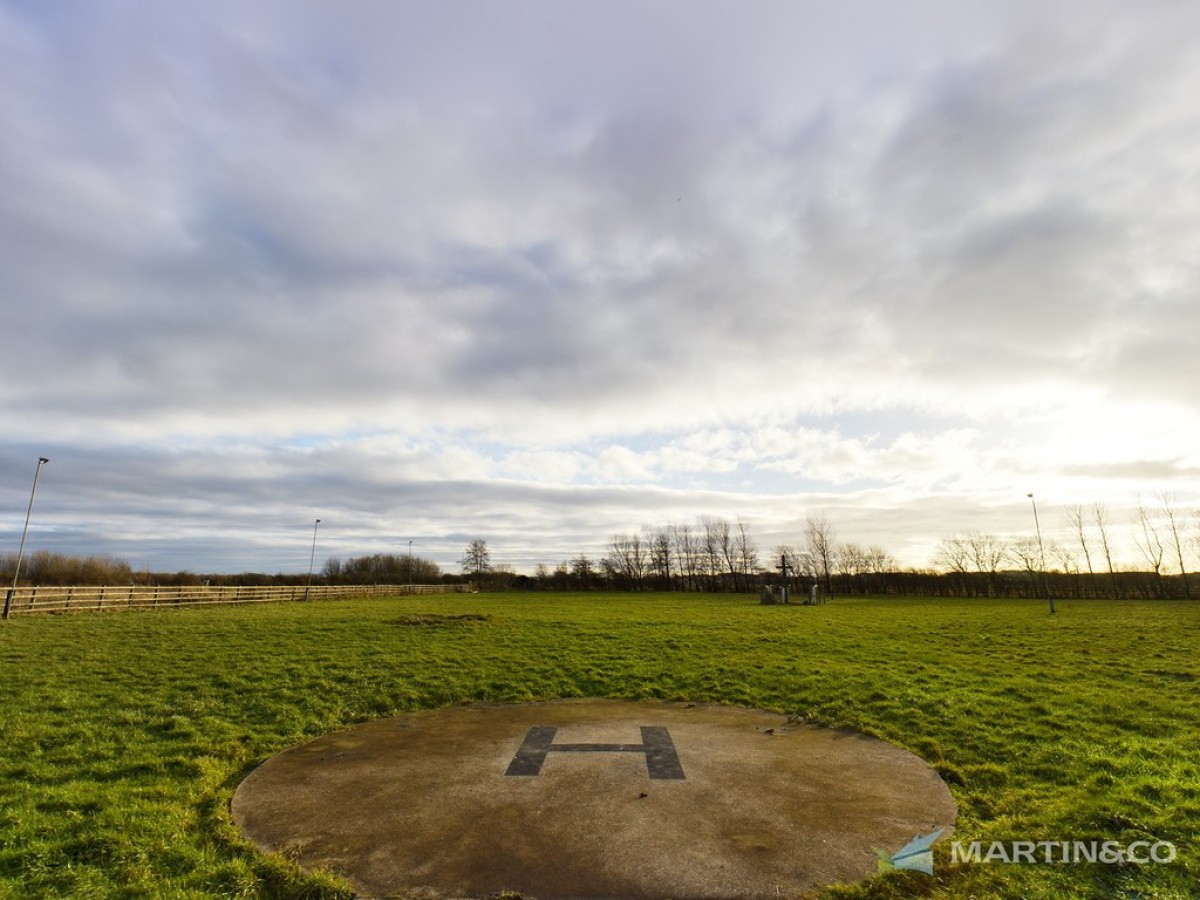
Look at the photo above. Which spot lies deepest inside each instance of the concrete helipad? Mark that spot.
(591, 799)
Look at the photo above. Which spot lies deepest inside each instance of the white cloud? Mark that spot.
(750, 258)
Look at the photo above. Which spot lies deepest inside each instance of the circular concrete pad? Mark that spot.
(592, 799)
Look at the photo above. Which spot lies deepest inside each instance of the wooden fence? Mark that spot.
(117, 597)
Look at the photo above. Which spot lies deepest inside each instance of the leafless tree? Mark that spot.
(879, 561)
(1065, 557)
(48, 567)
(627, 558)
(987, 552)
(583, 570)
(850, 559)
(1076, 521)
(1176, 525)
(954, 555)
(714, 548)
(476, 559)
(820, 542)
(1148, 538)
(660, 554)
(1100, 518)
(1026, 552)
(745, 555)
(686, 555)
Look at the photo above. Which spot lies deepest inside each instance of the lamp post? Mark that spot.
(410, 568)
(8, 598)
(1041, 554)
(311, 557)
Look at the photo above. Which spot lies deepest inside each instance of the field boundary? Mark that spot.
(111, 598)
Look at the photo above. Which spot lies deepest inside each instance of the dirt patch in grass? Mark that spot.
(434, 620)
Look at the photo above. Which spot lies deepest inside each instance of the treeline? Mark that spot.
(714, 554)
(383, 568)
(49, 569)
(59, 570)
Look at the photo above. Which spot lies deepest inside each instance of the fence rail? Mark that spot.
(117, 597)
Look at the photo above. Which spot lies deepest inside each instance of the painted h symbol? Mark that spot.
(661, 759)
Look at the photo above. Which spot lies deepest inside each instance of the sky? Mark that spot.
(545, 272)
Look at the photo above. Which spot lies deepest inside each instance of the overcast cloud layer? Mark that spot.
(543, 272)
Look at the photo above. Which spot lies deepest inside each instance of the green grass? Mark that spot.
(123, 736)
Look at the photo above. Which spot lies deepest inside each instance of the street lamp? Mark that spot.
(8, 598)
(1041, 554)
(311, 557)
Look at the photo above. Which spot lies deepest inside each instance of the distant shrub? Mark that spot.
(44, 567)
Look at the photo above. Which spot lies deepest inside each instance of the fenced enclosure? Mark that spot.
(26, 600)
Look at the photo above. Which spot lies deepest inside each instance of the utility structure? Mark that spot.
(783, 568)
(1042, 555)
(311, 557)
(8, 598)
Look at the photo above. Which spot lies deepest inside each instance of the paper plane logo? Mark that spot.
(914, 856)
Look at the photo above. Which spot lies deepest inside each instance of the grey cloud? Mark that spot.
(250, 223)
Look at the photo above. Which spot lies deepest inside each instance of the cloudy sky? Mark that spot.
(542, 272)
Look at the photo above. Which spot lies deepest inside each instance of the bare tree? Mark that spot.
(1075, 518)
(627, 558)
(1148, 539)
(660, 555)
(1026, 553)
(745, 555)
(954, 554)
(879, 561)
(1176, 524)
(718, 548)
(1064, 556)
(987, 552)
(476, 559)
(850, 559)
(1100, 518)
(686, 556)
(583, 570)
(819, 539)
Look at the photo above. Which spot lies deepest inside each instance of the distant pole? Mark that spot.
(8, 598)
(311, 557)
(1042, 554)
(410, 568)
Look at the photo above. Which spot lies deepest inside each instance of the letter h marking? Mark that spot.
(661, 759)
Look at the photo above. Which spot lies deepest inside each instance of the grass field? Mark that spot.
(123, 736)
